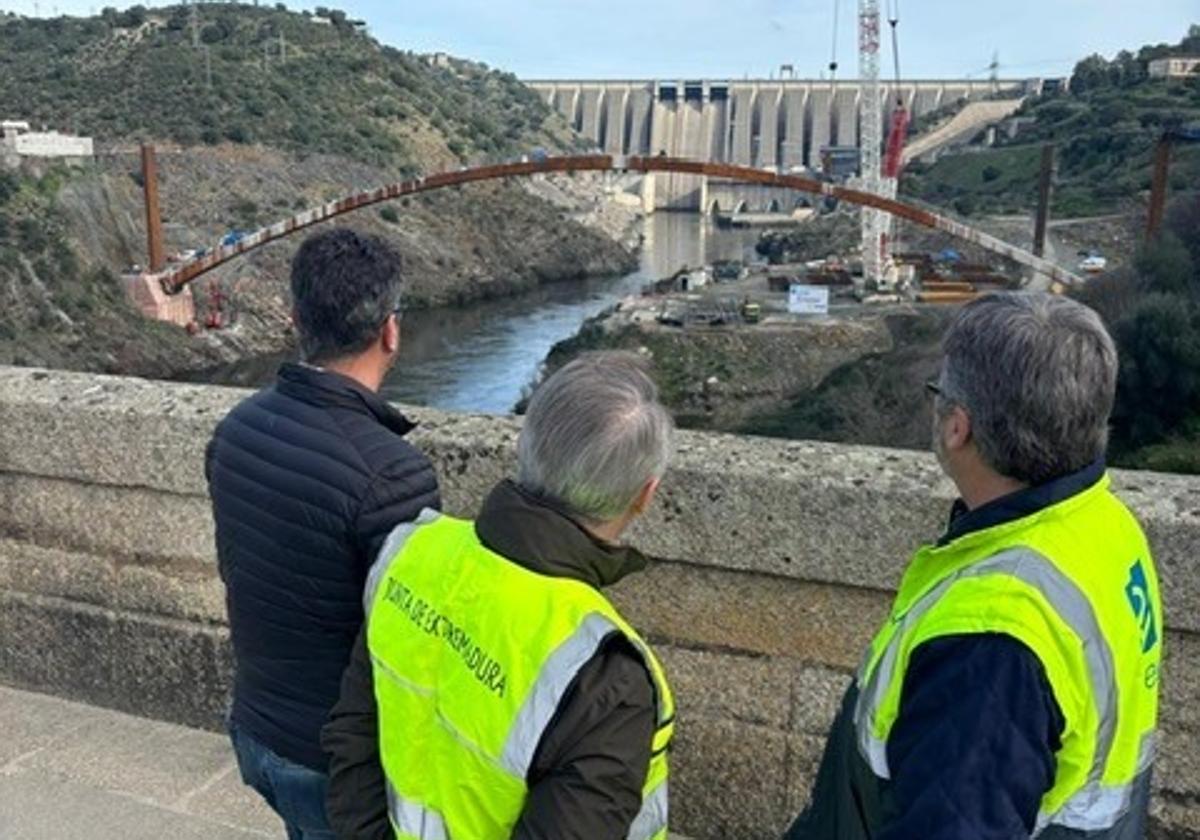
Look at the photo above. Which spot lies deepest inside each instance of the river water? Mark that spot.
(481, 357)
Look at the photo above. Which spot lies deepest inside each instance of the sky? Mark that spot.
(676, 39)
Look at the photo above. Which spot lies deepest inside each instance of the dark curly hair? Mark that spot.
(345, 284)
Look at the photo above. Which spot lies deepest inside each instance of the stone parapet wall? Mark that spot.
(778, 561)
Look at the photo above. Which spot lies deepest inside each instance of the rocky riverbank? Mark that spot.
(723, 378)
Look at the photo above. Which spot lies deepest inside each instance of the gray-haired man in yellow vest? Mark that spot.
(1013, 690)
(496, 692)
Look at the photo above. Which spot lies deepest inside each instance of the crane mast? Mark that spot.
(874, 222)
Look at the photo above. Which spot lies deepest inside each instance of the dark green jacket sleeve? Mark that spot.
(357, 800)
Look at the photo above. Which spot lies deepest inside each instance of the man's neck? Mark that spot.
(362, 370)
(982, 489)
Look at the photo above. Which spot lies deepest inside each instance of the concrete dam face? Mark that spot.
(775, 124)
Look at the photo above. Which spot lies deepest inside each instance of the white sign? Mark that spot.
(808, 300)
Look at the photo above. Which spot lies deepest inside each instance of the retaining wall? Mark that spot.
(779, 559)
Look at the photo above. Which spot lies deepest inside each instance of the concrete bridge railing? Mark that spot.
(778, 561)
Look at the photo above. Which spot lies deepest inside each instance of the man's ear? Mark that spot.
(642, 503)
(389, 336)
(956, 430)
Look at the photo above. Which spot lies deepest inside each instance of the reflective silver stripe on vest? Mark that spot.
(552, 683)
(652, 818)
(391, 547)
(414, 819)
(1096, 807)
(1072, 607)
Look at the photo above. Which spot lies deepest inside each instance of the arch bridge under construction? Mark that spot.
(162, 280)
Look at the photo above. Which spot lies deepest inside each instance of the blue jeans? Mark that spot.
(295, 792)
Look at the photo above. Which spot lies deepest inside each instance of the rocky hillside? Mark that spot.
(329, 112)
(56, 310)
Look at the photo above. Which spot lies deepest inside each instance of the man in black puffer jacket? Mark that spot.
(307, 478)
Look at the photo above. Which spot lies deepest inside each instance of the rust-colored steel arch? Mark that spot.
(175, 279)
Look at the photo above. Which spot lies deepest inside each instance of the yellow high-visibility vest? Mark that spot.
(471, 655)
(1075, 583)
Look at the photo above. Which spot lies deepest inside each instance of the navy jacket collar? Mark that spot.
(1020, 504)
(327, 388)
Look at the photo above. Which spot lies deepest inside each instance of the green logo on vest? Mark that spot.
(1138, 592)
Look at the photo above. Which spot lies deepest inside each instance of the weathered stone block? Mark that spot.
(117, 522)
(160, 590)
(1179, 702)
(816, 697)
(158, 668)
(728, 780)
(756, 690)
(724, 609)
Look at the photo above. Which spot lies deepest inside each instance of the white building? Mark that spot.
(17, 139)
(1174, 67)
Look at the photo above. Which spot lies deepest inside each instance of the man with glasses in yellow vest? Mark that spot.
(495, 691)
(1013, 690)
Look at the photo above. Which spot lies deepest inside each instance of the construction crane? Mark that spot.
(874, 222)
(878, 173)
(893, 156)
(1162, 165)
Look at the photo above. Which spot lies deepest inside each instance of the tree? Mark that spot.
(8, 186)
(1159, 383)
(1183, 220)
(1089, 74)
(1190, 45)
(1126, 70)
(1167, 265)
(132, 17)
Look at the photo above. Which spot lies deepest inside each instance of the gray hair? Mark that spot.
(594, 434)
(1037, 373)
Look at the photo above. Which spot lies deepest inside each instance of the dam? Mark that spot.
(777, 124)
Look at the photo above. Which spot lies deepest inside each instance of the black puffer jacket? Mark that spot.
(307, 478)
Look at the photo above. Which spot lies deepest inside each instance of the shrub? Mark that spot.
(1159, 383)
